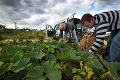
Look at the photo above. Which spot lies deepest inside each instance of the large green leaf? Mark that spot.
(6, 67)
(96, 65)
(12, 50)
(63, 56)
(35, 73)
(15, 76)
(20, 65)
(114, 74)
(114, 67)
(38, 48)
(52, 70)
(27, 48)
(51, 57)
(84, 55)
(16, 58)
(51, 49)
(73, 55)
(68, 72)
(92, 61)
(36, 55)
(4, 56)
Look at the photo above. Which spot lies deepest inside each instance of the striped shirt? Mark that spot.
(105, 21)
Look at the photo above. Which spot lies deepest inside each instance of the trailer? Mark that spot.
(50, 31)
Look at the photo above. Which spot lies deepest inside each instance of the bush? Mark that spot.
(2, 44)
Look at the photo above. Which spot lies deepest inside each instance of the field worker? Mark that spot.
(68, 27)
(103, 22)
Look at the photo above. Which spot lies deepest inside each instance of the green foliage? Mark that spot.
(52, 70)
(20, 65)
(21, 36)
(35, 73)
(1, 38)
(3, 44)
(5, 68)
(53, 61)
(57, 38)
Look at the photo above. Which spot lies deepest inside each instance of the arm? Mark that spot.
(100, 35)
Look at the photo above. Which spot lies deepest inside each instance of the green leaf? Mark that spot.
(63, 56)
(29, 64)
(35, 73)
(114, 67)
(6, 67)
(27, 48)
(0, 48)
(20, 65)
(52, 70)
(51, 57)
(12, 50)
(68, 72)
(51, 49)
(15, 76)
(1, 62)
(36, 55)
(96, 65)
(84, 54)
(74, 70)
(73, 55)
(114, 75)
(16, 58)
(93, 62)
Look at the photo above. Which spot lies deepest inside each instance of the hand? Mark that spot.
(90, 52)
(90, 35)
(65, 41)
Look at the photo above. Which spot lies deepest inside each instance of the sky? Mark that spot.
(36, 14)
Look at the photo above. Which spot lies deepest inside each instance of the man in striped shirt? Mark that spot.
(103, 22)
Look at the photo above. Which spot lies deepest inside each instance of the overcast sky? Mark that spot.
(35, 14)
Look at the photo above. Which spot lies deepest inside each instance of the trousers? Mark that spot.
(114, 46)
(73, 34)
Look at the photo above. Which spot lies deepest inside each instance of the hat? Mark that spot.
(62, 26)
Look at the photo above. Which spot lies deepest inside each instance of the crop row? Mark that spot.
(54, 61)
